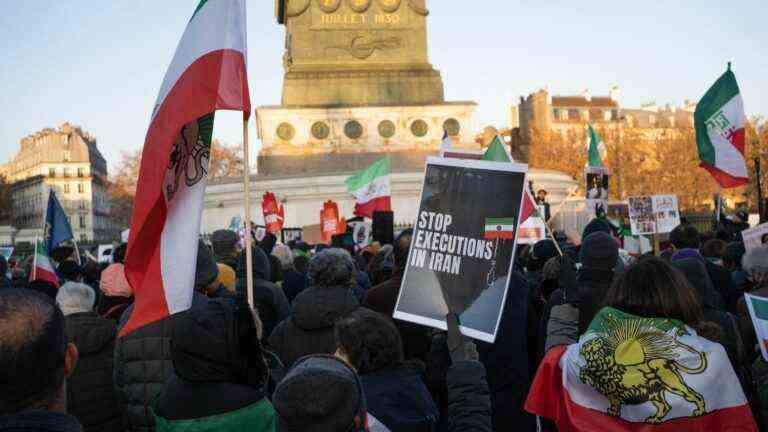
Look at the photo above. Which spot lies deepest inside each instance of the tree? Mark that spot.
(121, 188)
(226, 161)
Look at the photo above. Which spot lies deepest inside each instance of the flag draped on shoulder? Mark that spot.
(720, 135)
(207, 73)
(57, 228)
(629, 373)
(371, 189)
(42, 267)
(596, 149)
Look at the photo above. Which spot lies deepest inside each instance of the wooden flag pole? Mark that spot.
(247, 191)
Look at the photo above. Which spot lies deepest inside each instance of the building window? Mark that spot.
(80, 172)
(652, 119)
(80, 188)
(66, 172)
(51, 172)
(66, 188)
(67, 155)
(607, 115)
(82, 222)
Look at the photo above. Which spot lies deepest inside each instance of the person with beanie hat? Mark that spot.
(226, 247)
(596, 225)
(219, 373)
(686, 241)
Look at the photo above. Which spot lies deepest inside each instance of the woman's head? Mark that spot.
(755, 263)
(369, 341)
(653, 288)
(284, 254)
(332, 267)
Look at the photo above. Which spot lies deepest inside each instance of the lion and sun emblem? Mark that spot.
(632, 362)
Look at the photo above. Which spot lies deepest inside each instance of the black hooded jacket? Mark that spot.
(310, 329)
(91, 395)
(269, 299)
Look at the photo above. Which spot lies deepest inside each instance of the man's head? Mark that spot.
(332, 267)
(71, 271)
(755, 264)
(541, 194)
(35, 358)
(118, 256)
(74, 297)
(225, 244)
(402, 247)
(206, 271)
(599, 251)
(685, 237)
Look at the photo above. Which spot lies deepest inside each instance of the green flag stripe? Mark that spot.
(499, 221)
(760, 307)
(496, 152)
(199, 6)
(600, 322)
(724, 89)
(594, 151)
(379, 168)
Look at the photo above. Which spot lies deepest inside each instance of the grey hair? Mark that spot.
(755, 261)
(75, 297)
(332, 267)
(284, 254)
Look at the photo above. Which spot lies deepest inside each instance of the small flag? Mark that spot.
(57, 229)
(43, 268)
(371, 189)
(274, 215)
(596, 148)
(207, 73)
(720, 135)
(758, 311)
(497, 151)
(500, 228)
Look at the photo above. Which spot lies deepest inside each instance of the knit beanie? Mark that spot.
(320, 394)
(227, 277)
(599, 251)
(596, 225)
(224, 243)
(114, 283)
(206, 271)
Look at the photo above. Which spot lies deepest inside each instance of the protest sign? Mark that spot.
(7, 252)
(463, 245)
(597, 180)
(655, 214)
(758, 312)
(755, 237)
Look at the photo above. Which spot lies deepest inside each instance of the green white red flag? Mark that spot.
(371, 189)
(596, 149)
(720, 135)
(629, 373)
(500, 228)
(42, 267)
(497, 152)
(207, 73)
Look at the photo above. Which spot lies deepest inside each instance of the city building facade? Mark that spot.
(66, 160)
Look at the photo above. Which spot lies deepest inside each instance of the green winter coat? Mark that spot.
(258, 417)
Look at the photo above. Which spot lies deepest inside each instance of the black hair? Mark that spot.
(301, 264)
(3, 266)
(370, 341)
(44, 287)
(34, 343)
(118, 256)
(401, 248)
(685, 237)
(70, 270)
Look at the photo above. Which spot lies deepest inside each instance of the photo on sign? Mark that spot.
(463, 245)
(755, 237)
(641, 215)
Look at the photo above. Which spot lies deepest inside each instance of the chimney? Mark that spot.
(587, 95)
(614, 93)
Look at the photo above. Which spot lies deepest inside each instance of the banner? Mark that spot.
(758, 312)
(463, 245)
(597, 180)
(362, 234)
(755, 237)
(274, 215)
(330, 223)
(655, 214)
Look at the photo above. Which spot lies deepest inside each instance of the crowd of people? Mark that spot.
(320, 351)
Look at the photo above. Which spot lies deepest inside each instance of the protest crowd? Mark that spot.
(321, 352)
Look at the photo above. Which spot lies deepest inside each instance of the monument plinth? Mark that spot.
(357, 80)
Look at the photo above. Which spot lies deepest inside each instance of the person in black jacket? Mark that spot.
(293, 282)
(687, 241)
(394, 389)
(35, 362)
(91, 395)
(315, 311)
(268, 298)
(4, 281)
(226, 249)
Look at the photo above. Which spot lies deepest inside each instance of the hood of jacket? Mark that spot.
(90, 332)
(399, 398)
(261, 265)
(316, 308)
(696, 273)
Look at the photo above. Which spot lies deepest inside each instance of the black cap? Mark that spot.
(599, 251)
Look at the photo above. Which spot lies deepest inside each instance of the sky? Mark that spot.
(99, 64)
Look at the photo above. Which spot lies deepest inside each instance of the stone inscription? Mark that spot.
(338, 19)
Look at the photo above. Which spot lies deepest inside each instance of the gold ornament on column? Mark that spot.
(359, 6)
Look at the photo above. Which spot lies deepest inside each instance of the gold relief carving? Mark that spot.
(452, 127)
(389, 6)
(320, 130)
(329, 6)
(419, 7)
(296, 7)
(353, 129)
(419, 128)
(386, 129)
(359, 6)
(286, 131)
(363, 46)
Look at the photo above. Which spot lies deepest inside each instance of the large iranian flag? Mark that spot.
(208, 72)
(42, 267)
(371, 189)
(596, 149)
(720, 136)
(630, 373)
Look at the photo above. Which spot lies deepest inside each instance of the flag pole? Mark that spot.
(248, 238)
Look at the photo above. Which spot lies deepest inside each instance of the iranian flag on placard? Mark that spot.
(497, 152)
(758, 311)
(208, 72)
(42, 269)
(500, 228)
(371, 189)
(630, 373)
(720, 136)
